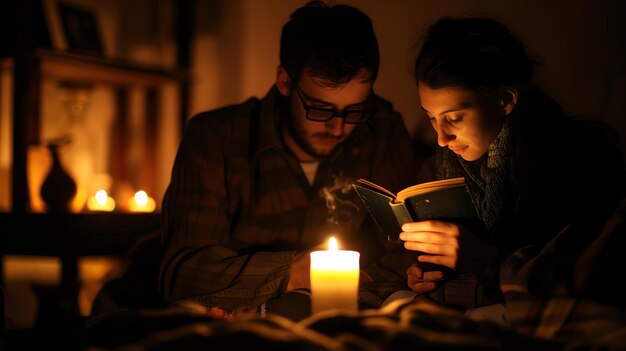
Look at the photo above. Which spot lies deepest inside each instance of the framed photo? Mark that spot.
(73, 28)
(53, 23)
(81, 29)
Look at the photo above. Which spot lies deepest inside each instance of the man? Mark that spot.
(256, 186)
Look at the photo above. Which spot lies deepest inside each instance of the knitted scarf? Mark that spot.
(486, 177)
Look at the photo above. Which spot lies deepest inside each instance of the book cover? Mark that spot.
(447, 199)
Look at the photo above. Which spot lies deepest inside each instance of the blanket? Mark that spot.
(402, 325)
(560, 296)
(568, 290)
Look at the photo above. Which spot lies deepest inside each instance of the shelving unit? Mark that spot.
(133, 90)
(30, 70)
(70, 236)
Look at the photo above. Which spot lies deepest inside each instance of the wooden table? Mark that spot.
(71, 236)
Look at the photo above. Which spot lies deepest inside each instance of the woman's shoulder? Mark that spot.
(589, 138)
(593, 128)
(581, 149)
(567, 133)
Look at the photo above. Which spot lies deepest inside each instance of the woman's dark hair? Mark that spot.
(330, 42)
(481, 54)
(478, 54)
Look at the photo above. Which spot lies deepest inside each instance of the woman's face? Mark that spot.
(465, 121)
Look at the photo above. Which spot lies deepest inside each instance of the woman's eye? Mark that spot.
(453, 119)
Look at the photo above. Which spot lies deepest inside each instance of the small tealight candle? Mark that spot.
(334, 279)
(101, 201)
(141, 202)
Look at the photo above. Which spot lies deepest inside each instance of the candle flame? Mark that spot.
(101, 197)
(332, 244)
(141, 198)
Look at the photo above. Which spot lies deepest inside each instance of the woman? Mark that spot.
(530, 169)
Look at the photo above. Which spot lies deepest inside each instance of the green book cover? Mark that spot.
(447, 199)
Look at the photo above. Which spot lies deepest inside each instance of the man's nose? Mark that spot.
(335, 126)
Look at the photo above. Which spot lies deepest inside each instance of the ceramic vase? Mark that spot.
(58, 189)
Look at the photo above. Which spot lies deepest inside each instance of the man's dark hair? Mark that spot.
(330, 42)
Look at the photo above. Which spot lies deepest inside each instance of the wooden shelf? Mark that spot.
(64, 65)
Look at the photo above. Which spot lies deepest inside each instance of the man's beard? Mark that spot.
(299, 137)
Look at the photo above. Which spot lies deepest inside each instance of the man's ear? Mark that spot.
(283, 82)
(508, 101)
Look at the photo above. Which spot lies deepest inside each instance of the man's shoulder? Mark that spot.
(228, 114)
(386, 118)
(384, 107)
(230, 125)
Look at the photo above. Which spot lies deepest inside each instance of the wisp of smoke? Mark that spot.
(336, 205)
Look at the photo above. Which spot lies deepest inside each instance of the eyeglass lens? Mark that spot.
(348, 116)
(325, 115)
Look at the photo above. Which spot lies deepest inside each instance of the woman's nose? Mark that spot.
(443, 136)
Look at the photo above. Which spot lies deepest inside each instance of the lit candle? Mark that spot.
(141, 202)
(101, 201)
(334, 279)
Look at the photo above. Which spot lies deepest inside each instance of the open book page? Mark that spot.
(447, 199)
(428, 187)
(377, 187)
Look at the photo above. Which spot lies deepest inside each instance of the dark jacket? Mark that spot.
(559, 170)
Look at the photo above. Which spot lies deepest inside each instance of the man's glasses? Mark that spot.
(350, 116)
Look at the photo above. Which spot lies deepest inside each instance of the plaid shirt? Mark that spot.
(239, 206)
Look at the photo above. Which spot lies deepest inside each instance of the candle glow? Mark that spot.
(141, 198)
(101, 201)
(334, 279)
(141, 202)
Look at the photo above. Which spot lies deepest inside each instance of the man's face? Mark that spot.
(311, 140)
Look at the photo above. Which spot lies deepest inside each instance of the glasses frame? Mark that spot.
(335, 113)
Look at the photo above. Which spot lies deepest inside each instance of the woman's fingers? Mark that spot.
(434, 226)
(433, 249)
(428, 237)
(447, 261)
(420, 281)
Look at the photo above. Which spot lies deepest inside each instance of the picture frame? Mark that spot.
(73, 28)
(81, 29)
(53, 24)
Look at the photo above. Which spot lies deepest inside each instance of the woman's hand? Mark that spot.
(448, 244)
(420, 281)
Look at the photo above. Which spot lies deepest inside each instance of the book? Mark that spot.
(447, 199)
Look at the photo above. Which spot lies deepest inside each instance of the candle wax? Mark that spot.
(334, 280)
